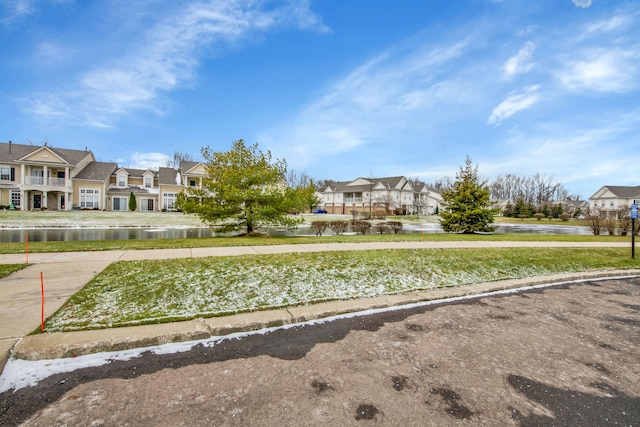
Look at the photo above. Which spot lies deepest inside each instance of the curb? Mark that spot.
(72, 344)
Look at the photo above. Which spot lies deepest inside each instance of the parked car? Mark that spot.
(320, 211)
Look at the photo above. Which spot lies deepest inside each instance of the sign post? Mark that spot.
(634, 216)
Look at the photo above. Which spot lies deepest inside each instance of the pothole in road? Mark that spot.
(366, 412)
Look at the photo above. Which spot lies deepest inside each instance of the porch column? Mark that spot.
(45, 196)
(22, 173)
(23, 199)
(45, 175)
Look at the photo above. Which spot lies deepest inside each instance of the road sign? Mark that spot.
(634, 211)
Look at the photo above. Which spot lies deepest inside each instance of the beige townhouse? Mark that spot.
(44, 177)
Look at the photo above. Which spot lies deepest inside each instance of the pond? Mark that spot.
(131, 233)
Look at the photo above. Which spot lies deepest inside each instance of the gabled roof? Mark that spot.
(97, 171)
(625, 191)
(421, 187)
(187, 167)
(72, 156)
(169, 176)
(391, 183)
(619, 191)
(14, 152)
(138, 173)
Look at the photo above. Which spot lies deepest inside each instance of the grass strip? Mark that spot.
(141, 244)
(7, 269)
(142, 292)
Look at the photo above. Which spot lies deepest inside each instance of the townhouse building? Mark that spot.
(44, 177)
(371, 195)
(610, 198)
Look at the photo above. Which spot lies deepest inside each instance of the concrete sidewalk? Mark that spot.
(66, 273)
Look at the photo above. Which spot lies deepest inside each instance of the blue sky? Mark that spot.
(339, 89)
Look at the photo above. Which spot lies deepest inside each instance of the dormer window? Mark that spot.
(148, 182)
(122, 182)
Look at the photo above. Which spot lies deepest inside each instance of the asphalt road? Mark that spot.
(567, 355)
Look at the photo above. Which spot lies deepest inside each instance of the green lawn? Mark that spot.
(106, 245)
(7, 269)
(140, 292)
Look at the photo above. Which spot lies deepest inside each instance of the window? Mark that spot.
(168, 201)
(15, 198)
(148, 182)
(121, 181)
(192, 183)
(89, 198)
(5, 173)
(120, 203)
(146, 204)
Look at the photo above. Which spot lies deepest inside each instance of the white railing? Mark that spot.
(353, 199)
(38, 180)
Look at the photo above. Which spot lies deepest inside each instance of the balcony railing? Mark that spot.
(39, 180)
(353, 199)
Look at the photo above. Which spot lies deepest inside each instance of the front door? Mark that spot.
(62, 202)
(37, 201)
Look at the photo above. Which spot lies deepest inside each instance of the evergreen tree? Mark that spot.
(557, 210)
(545, 210)
(467, 203)
(133, 205)
(244, 189)
(508, 210)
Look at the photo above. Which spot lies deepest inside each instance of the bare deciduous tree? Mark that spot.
(178, 158)
(533, 190)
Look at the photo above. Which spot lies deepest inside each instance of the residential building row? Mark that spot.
(44, 177)
(371, 195)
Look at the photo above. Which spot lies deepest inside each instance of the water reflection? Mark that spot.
(72, 234)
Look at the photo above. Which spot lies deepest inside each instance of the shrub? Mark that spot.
(595, 223)
(339, 227)
(539, 216)
(396, 226)
(360, 227)
(610, 225)
(381, 227)
(565, 217)
(319, 227)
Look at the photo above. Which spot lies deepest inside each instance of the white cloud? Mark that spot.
(148, 160)
(520, 63)
(608, 25)
(514, 102)
(389, 94)
(582, 3)
(16, 9)
(167, 55)
(611, 70)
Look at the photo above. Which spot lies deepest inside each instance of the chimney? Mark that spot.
(9, 146)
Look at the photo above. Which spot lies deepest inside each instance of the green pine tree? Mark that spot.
(467, 204)
(133, 205)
